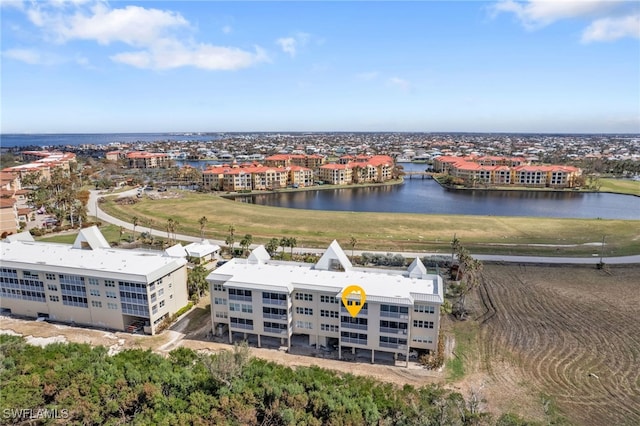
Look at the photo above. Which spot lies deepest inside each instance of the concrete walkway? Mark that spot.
(94, 209)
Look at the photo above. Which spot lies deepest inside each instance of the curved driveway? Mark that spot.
(94, 209)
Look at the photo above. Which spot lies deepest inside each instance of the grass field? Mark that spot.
(620, 186)
(384, 231)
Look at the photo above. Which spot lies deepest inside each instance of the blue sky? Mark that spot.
(503, 66)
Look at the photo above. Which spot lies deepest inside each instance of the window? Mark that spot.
(422, 324)
(75, 301)
(153, 297)
(218, 287)
(94, 292)
(111, 295)
(93, 281)
(428, 309)
(109, 283)
(304, 296)
(304, 324)
(52, 287)
(329, 314)
(328, 299)
(247, 309)
(154, 309)
(54, 298)
(304, 311)
(30, 275)
(219, 301)
(96, 304)
(328, 327)
(241, 323)
(422, 339)
(162, 303)
(50, 277)
(221, 314)
(234, 307)
(160, 292)
(112, 305)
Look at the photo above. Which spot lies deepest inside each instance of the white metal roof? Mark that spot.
(99, 262)
(379, 284)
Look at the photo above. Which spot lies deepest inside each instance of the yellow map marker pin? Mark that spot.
(353, 298)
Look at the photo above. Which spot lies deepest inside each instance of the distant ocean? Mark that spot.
(61, 139)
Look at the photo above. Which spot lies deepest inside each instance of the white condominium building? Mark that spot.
(276, 299)
(90, 283)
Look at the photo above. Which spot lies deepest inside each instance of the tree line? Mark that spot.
(229, 388)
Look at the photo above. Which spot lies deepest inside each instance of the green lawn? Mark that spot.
(385, 231)
(621, 186)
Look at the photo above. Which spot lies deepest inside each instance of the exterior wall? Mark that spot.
(91, 299)
(8, 216)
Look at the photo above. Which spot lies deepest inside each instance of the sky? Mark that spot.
(87, 66)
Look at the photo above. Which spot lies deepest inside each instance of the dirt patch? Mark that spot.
(568, 332)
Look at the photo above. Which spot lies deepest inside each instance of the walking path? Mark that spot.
(95, 210)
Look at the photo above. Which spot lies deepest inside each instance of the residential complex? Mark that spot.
(43, 162)
(147, 160)
(276, 300)
(503, 171)
(90, 283)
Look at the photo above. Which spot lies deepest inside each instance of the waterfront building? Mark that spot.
(254, 177)
(90, 283)
(147, 160)
(336, 174)
(277, 300)
(491, 170)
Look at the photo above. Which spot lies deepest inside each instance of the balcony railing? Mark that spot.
(393, 330)
(352, 340)
(392, 345)
(394, 315)
(362, 311)
(242, 326)
(274, 302)
(272, 330)
(355, 326)
(275, 316)
(241, 298)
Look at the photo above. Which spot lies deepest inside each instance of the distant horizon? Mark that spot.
(132, 66)
(212, 132)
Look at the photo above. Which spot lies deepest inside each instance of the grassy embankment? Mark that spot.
(620, 186)
(386, 231)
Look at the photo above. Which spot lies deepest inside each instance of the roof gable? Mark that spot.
(333, 259)
(417, 269)
(258, 255)
(90, 238)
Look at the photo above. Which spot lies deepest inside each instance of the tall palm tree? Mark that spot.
(135, 220)
(246, 242)
(203, 222)
(284, 243)
(292, 243)
(231, 238)
(352, 243)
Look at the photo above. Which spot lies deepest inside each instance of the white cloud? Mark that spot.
(157, 35)
(401, 83)
(32, 56)
(611, 19)
(609, 29)
(291, 45)
(205, 56)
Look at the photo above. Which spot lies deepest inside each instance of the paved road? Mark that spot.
(95, 210)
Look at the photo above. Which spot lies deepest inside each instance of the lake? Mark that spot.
(427, 196)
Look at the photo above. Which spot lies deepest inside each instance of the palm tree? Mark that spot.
(284, 242)
(230, 240)
(246, 242)
(292, 243)
(203, 222)
(135, 222)
(352, 243)
(272, 246)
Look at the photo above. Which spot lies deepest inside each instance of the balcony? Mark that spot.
(392, 345)
(362, 342)
(279, 331)
(240, 298)
(394, 315)
(274, 302)
(275, 316)
(393, 330)
(343, 310)
(354, 326)
(242, 326)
